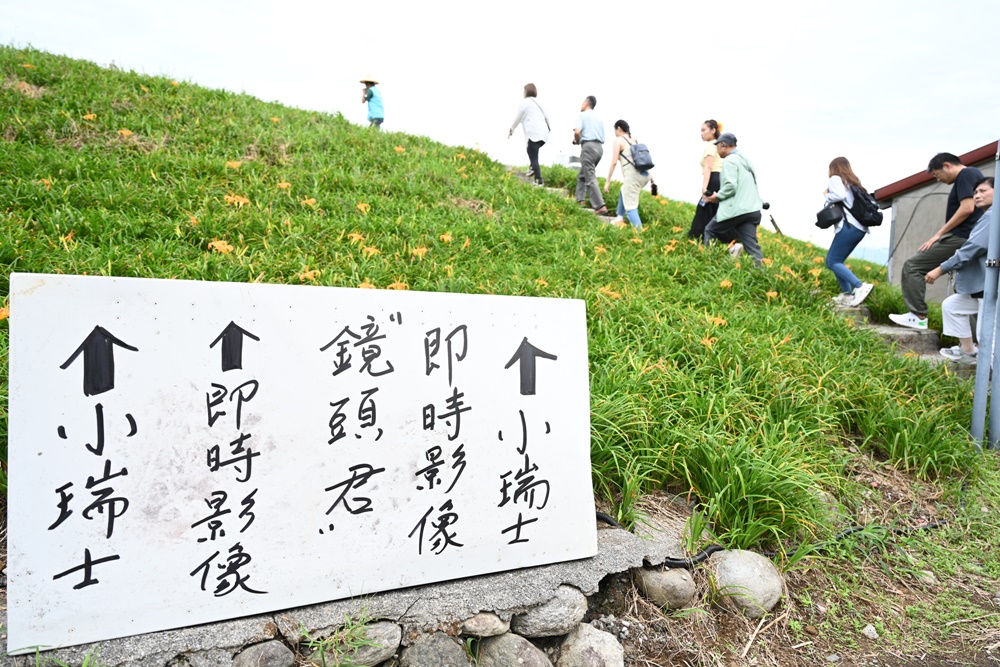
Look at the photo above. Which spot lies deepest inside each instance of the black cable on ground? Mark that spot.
(704, 554)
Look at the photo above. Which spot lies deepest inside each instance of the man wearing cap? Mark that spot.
(373, 96)
(739, 200)
(589, 133)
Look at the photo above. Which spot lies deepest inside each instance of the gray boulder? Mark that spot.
(587, 646)
(672, 588)
(510, 650)
(437, 649)
(485, 624)
(746, 581)
(268, 654)
(384, 637)
(555, 617)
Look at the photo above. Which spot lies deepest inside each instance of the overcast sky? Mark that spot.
(886, 84)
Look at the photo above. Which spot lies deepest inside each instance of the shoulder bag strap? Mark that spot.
(549, 127)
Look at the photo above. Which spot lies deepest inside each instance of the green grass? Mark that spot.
(708, 377)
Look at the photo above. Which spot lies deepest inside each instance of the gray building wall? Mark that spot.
(916, 215)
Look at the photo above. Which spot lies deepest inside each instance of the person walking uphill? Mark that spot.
(961, 216)
(373, 96)
(589, 134)
(532, 119)
(848, 233)
(739, 200)
(633, 180)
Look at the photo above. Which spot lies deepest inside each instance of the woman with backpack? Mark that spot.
(535, 124)
(633, 180)
(848, 233)
(711, 167)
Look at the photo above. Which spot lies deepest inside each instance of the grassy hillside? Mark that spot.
(736, 387)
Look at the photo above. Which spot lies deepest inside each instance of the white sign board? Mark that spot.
(185, 452)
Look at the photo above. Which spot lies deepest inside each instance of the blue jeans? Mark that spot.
(632, 216)
(844, 243)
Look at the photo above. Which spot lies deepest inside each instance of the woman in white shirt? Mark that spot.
(535, 124)
(849, 233)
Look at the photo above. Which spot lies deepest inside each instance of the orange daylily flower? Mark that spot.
(194, 220)
(4, 312)
(817, 260)
(771, 294)
(399, 149)
(236, 199)
(725, 284)
(419, 252)
(356, 237)
(677, 229)
(768, 261)
(708, 341)
(311, 201)
(815, 272)
(717, 321)
(144, 88)
(397, 285)
(90, 116)
(446, 237)
(459, 156)
(467, 243)
(234, 164)
(371, 250)
(542, 282)
(363, 207)
(309, 275)
(607, 291)
(284, 185)
(599, 249)
(220, 247)
(175, 83)
(46, 182)
(275, 119)
(125, 133)
(366, 285)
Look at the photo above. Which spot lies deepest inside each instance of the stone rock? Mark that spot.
(436, 649)
(746, 581)
(384, 637)
(555, 617)
(672, 588)
(587, 646)
(926, 577)
(870, 632)
(510, 650)
(268, 654)
(485, 624)
(833, 657)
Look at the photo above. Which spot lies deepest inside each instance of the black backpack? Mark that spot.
(865, 209)
(641, 159)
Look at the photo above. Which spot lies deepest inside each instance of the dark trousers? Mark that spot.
(705, 212)
(533, 148)
(744, 227)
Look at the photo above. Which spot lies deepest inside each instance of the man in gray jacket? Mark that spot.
(969, 263)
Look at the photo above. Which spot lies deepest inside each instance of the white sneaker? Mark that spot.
(909, 320)
(861, 293)
(956, 353)
(736, 249)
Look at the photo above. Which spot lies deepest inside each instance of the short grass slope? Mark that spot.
(735, 387)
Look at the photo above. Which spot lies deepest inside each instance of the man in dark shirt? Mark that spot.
(961, 215)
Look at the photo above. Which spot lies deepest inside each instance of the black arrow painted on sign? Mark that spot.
(98, 361)
(232, 346)
(526, 354)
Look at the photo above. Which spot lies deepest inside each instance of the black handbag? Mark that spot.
(830, 215)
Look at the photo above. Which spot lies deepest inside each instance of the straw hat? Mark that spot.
(369, 80)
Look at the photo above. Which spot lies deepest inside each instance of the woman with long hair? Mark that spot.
(711, 167)
(633, 180)
(535, 124)
(848, 233)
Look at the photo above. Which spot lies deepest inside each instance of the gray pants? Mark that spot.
(591, 153)
(919, 265)
(744, 228)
